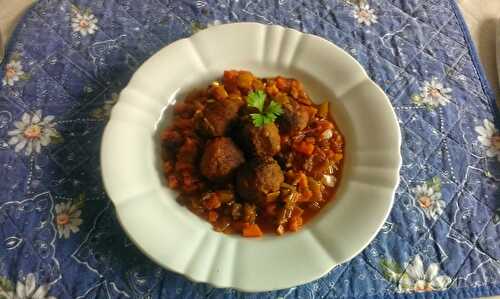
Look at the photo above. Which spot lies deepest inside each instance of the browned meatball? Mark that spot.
(259, 180)
(262, 141)
(295, 116)
(218, 116)
(220, 159)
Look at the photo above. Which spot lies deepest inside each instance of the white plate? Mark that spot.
(180, 241)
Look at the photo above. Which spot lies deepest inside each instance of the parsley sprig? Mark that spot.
(257, 99)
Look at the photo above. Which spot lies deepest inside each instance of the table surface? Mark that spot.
(481, 17)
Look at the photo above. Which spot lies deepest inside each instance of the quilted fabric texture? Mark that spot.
(68, 60)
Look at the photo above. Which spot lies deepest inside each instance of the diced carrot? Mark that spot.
(252, 231)
(305, 148)
(230, 75)
(295, 223)
(305, 195)
(338, 157)
(302, 182)
(212, 216)
(297, 211)
(283, 84)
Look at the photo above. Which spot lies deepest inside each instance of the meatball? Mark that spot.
(295, 118)
(218, 116)
(261, 141)
(220, 159)
(259, 180)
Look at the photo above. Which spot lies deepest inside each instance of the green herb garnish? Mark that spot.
(268, 115)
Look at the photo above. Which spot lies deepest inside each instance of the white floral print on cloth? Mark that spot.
(429, 198)
(83, 22)
(68, 217)
(364, 14)
(14, 71)
(104, 111)
(32, 132)
(26, 289)
(417, 279)
(489, 137)
(432, 94)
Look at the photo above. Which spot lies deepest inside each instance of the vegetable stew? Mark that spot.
(252, 155)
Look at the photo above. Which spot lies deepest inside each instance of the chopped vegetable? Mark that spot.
(295, 223)
(245, 80)
(212, 216)
(252, 231)
(305, 148)
(338, 157)
(323, 109)
(329, 180)
(316, 188)
(327, 134)
(218, 92)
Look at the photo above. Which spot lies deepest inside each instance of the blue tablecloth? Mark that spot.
(67, 61)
